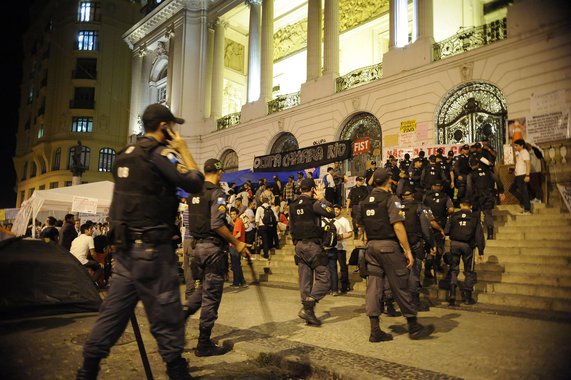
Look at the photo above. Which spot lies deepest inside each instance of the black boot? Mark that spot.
(188, 311)
(206, 347)
(178, 369)
(418, 331)
(89, 370)
(467, 297)
(391, 312)
(377, 335)
(420, 306)
(452, 295)
(490, 233)
(307, 313)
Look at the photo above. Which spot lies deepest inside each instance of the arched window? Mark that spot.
(83, 157)
(57, 159)
(360, 126)
(43, 163)
(25, 171)
(106, 158)
(471, 112)
(159, 74)
(34, 169)
(284, 143)
(229, 160)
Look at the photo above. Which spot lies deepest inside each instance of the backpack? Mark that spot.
(329, 233)
(269, 218)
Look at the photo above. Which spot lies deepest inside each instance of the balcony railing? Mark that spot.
(283, 102)
(228, 121)
(359, 77)
(471, 38)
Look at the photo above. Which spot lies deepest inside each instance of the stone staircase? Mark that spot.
(527, 266)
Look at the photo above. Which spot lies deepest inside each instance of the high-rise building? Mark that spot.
(259, 77)
(75, 91)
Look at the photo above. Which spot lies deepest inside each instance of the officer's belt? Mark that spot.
(396, 240)
(316, 241)
(209, 239)
(150, 235)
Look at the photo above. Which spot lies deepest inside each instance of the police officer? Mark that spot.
(143, 213)
(481, 186)
(385, 231)
(356, 196)
(405, 163)
(440, 204)
(431, 173)
(465, 232)
(461, 171)
(417, 220)
(209, 262)
(369, 175)
(310, 257)
(414, 175)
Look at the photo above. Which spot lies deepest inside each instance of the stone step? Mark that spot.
(541, 222)
(524, 278)
(539, 230)
(514, 243)
(528, 302)
(525, 290)
(530, 234)
(501, 252)
(548, 270)
(503, 258)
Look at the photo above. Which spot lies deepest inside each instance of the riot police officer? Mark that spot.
(209, 263)
(417, 220)
(143, 213)
(481, 186)
(461, 171)
(310, 257)
(405, 163)
(431, 173)
(385, 231)
(441, 206)
(465, 230)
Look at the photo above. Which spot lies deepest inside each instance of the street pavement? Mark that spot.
(270, 342)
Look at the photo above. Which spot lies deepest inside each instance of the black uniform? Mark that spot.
(481, 187)
(405, 164)
(209, 261)
(142, 214)
(384, 256)
(356, 196)
(310, 257)
(461, 171)
(439, 203)
(430, 175)
(465, 231)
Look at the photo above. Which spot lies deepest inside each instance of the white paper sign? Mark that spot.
(548, 103)
(548, 127)
(84, 204)
(566, 195)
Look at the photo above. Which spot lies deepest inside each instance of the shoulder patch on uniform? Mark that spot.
(222, 208)
(167, 151)
(182, 169)
(220, 201)
(129, 149)
(328, 209)
(398, 204)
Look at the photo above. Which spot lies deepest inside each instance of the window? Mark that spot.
(31, 95)
(30, 192)
(87, 40)
(83, 157)
(34, 169)
(43, 163)
(42, 187)
(57, 159)
(82, 124)
(106, 158)
(22, 196)
(41, 132)
(85, 68)
(83, 97)
(88, 11)
(162, 94)
(25, 171)
(67, 183)
(54, 185)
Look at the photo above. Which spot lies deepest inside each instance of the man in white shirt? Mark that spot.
(339, 253)
(83, 248)
(329, 184)
(522, 176)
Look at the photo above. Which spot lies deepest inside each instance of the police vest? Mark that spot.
(412, 221)
(463, 165)
(463, 226)
(141, 197)
(436, 202)
(199, 212)
(375, 216)
(303, 221)
(433, 174)
(482, 180)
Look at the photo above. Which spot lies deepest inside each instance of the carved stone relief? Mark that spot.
(234, 55)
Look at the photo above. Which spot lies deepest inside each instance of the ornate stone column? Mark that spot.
(267, 50)
(331, 40)
(392, 23)
(136, 83)
(254, 51)
(425, 20)
(218, 69)
(313, 39)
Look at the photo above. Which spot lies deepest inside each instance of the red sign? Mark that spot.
(361, 146)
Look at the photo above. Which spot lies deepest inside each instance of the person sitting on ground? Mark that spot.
(83, 248)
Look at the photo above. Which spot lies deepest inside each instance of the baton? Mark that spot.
(263, 304)
(141, 346)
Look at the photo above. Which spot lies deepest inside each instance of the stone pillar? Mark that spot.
(267, 50)
(313, 39)
(254, 51)
(136, 91)
(331, 40)
(425, 20)
(209, 72)
(218, 70)
(392, 23)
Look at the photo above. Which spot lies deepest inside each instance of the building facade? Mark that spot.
(263, 76)
(75, 92)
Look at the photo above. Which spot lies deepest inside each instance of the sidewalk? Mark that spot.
(270, 342)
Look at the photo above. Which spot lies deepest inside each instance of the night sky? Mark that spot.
(13, 26)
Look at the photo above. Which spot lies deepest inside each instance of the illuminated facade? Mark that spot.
(75, 87)
(250, 77)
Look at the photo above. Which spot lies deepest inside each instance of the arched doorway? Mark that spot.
(360, 126)
(229, 160)
(470, 113)
(285, 142)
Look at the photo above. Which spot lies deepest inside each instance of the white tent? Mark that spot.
(95, 197)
